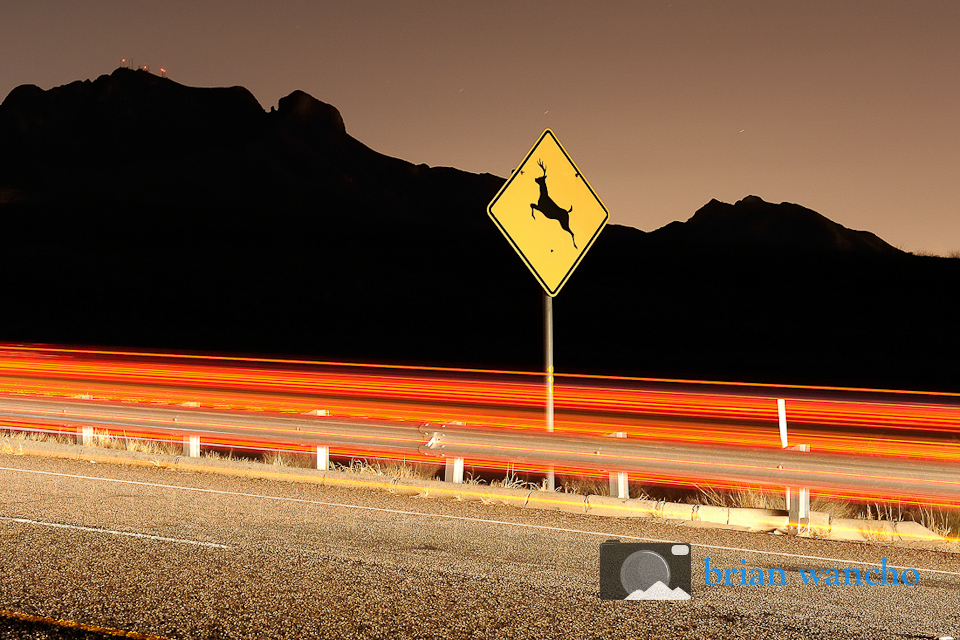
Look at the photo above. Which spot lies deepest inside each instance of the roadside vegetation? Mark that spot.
(943, 522)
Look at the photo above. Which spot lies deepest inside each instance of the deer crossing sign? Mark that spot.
(549, 213)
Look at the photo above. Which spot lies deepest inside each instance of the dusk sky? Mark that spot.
(849, 108)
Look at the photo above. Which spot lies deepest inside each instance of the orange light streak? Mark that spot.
(43, 349)
(725, 414)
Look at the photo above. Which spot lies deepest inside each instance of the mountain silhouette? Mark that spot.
(754, 224)
(138, 212)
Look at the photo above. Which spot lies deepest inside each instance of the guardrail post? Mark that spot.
(619, 485)
(323, 458)
(86, 436)
(798, 500)
(798, 504)
(453, 471)
(191, 446)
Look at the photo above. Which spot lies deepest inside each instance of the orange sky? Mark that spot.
(850, 108)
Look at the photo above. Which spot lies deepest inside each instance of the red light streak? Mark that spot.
(725, 414)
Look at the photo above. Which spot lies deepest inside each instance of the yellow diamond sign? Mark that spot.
(549, 213)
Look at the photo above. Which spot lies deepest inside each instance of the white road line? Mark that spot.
(465, 519)
(114, 532)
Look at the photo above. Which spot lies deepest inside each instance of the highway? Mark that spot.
(159, 552)
(181, 555)
(903, 424)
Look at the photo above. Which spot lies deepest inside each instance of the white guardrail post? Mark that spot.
(797, 500)
(191, 446)
(323, 458)
(453, 472)
(86, 436)
(798, 504)
(619, 485)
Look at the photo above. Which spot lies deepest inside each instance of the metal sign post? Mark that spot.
(548, 365)
(550, 216)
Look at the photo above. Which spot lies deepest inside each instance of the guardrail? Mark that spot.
(309, 432)
(457, 444)
(706, 463)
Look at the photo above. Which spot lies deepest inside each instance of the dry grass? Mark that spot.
(142, 445)
(941, 521)
(288, 459)
(391, 469)
(513, 481)
(510, 481)
(30, 436)
(593, 486)
(578, 485)
(751, 498)
(584, 486)
(742, 498)
(103, 440)
(216, 455)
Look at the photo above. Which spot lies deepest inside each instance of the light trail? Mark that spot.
(855, 422)
(41, 350)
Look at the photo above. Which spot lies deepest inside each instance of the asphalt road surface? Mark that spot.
(183, 555)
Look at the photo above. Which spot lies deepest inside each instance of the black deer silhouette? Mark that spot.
(549, 208)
